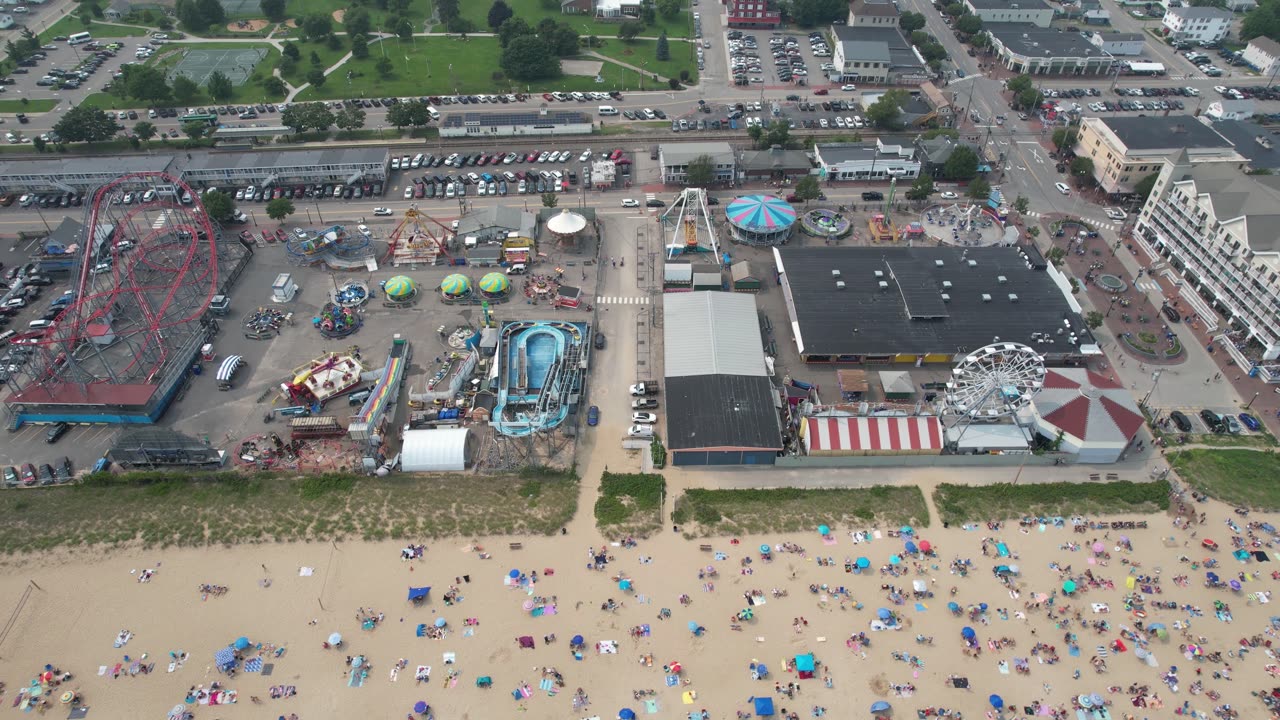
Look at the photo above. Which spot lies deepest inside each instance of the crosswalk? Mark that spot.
(623, 301)
(1149, 287)
(160, 220)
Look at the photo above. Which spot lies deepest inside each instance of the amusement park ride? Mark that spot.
(683, 218)
(419, 239)
(327, 376)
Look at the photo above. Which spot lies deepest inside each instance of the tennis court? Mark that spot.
(241, 8)
(236, 64)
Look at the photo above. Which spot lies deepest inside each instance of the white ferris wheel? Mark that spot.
(995, 381)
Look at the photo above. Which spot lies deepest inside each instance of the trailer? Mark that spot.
(316, 426)
(1145, 68)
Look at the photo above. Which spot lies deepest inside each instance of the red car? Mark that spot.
(548, 97)
(28, 474)
(533, 156)
(281, 235)
(821, 91)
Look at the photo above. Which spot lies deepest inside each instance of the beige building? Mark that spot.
(873, 13)
(1124, 150)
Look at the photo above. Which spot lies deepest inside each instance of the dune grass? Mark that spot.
(731, 512)
(966, 503)
(1239, 477)
(630, 504)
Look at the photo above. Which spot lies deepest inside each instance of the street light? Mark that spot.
(1255, 397)
(1155, 381)
(1112, 306)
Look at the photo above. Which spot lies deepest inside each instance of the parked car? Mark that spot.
(56, 431)
(1250, 422)
(644, 418)
(599, 340)
(593, 416)
(27, 474)
(1211, 419)
(1181, 421)
(1171, 313)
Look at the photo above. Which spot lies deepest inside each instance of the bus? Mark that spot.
(206, 119)
(80, 37)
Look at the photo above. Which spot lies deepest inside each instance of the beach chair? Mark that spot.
(704, 548)
(515, 546)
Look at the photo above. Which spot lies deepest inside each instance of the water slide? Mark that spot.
(384, 392)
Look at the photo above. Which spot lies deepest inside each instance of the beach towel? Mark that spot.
(546, 684)
(267, 669)
(306, 572)
(607, 647)
(689, 696)
(708, 587)
(642, 599)
(173, 666)
(1072, 650)
(877, 534)
(469, 632)
(449, 658)
(828, 540)
(423, 673)
(651, 707)
(102, 670)
(1003, 665)
(921, 607)
(453, 683)
(253, 665)
(1101, 651)
(672, 681)
(355, 679)
(421, 631)
(721, 556)
(395, 673)
(525, 692)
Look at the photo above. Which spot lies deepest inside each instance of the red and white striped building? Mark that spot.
(920, 435)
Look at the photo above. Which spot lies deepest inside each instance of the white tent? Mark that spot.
(446, 449)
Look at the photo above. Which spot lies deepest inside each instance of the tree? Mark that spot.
(663, 51)
(529, 58)
(668, 9)
(1093, 319)
(1030, 99)
(449, 12)
(962, 165)
(146, 84)
(955, 9)
(357, 21)
(86, 124)
(402, 28)
(550, 200)
(969, 24)
(564, 40)
(219, 86)
(404, 115)
(885, 112)
(818, 12)
(316, 26)
(279, 209)
(911, 21)
(212, 12)
(1021, 205)
(512, 29)
(629, 29)
(777, 133)
(700, 172)
(921, 189)
(1082, 170)
(1019, 83)
(315, 59)
(1144, 186)
(1262, 21)
(218, 206)
(1065, 138)
(291, 51)
(351, 119)
(273, 9)
(979, 189)
(195, 129)
(359, 46)
(981, 40)
(807, 189)
(189, 15)
(499, 13)
(384, 67)
(144, 130)
(39, 144)
(316, 77)
(274, 86)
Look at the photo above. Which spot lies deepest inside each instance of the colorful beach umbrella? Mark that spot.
(400, 286)
(420, 706)
(1069, 587)
(863, 562)
(824, 530)
(455, 285)
(626, 714)
(765, 549)
(761, 213)
(925, 546)
(495, 283)
(968, 633)
(996, 701)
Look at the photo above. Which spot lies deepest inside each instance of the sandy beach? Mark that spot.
(76, 607)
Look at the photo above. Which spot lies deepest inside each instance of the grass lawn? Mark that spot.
(38, 105)
(69, 25)
(533, 12)
(1239, 477)
(426, 72)
(1261, 439)
(964, 503)
(417, 11)
(250, 92)
(327, 58)
(233, 508)
(630, 504)
(643, 53)
(732, 512)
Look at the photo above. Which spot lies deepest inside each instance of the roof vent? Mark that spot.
(946, 298)
(835, 273)
(884, 285)
(973, 263)
(986, 297)
(1013, 298)
(938, 263)
(879, 273)
(946, 284)
(1002, 279)
(839, 284)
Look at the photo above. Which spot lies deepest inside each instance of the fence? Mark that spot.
(896, 461)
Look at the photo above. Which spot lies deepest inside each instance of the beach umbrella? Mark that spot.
(1097, 699)
(907, 530)
(746, 614)
(514, 574)
(953, 606)
(527, 605)
(911, 548)
(626, 714)
(864, 562)
(241, 643)
(765, 549)
(335, 639)
(178, 711)
(357, 661)
(693, 626)
(1099, 547)
(577, 640)
(982, 607)
(894, 560)
(624, 584)
(764, 706)
(884, 614)
(441, 622)
(925, 546)
(420, 706)
(879, 706)
(824, 530)
(968, 633)
(1069, 587)
(67, 697)
(1212, 576)
(1235, 585)
(1140, 653)
(996, 701)
(675, 668)
(1085, 701)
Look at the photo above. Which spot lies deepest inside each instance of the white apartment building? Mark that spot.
(1263, 55)
(1197, 24)
(1216, 226)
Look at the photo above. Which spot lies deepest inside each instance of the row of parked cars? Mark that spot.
(580, 96)
(336, 191)
(521, 182)
(27, 475)
(1135, 105)
(1217, 422)
(460, 160)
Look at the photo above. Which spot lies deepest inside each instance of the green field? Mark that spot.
(327, 58)
(630, 504)
(249, 92)
(532, 11)
(1238, 477)
(30, 106)
(643, 54)
(971, 503)
(732, 512)
(423, 68)
(417, 11)
(69, 25)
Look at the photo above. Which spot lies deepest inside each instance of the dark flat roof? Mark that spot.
(1160, 132)
(1031, 41)
(1246, 136)
(910, 316)
(706, 412)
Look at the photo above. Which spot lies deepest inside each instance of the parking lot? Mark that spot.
(778, 58)
(1200, 421)
(59, 58)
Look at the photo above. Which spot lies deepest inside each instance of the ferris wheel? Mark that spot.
(995, 381)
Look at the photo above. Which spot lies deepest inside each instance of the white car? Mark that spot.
(1062, 188)
(408, 192)
(630, 203)
(948, 195)
(585, 156)
(382, 211)
(642, 431)
(300, 233)
(364, 230)
(1116, 214)
(848, 88)
(643, 418)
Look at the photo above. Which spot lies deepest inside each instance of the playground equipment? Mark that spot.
(352, 294)
(419, 239)
(760, 220)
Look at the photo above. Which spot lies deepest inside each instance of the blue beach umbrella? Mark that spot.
(879, 706)
(824, 530)
(996, 701)
(968, 633)
(514, 574)
(864, 562)
(953, 606)
(884, 614)
(765, 549)
(241, 643)
(626, 714)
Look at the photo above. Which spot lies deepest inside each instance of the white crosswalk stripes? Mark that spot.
(624, 301)
(1149, 286)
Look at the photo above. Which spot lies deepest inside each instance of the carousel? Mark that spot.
(566, 225)
(336, 321)
(495, 286)
(455, 287)
(825, 223)
(539, 288)
(400, 290)
(352, 294)
(760, 220)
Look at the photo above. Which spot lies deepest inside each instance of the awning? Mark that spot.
(228, 368)
(883, 434)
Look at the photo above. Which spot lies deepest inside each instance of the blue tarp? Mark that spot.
(764, 706)
(804, 663)
(225, 658)
(418, 593)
